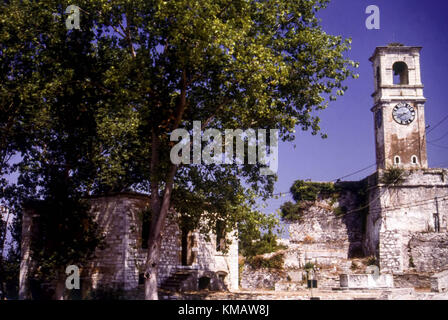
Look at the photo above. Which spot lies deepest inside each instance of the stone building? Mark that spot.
(188, 260)
(415, 205)
(403, 222)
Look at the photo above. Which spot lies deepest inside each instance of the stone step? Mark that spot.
(174, 282)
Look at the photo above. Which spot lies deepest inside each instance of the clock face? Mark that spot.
(403, 113)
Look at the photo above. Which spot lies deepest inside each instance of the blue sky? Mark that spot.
(349, 121)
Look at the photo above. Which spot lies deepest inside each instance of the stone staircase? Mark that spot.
(179, 281)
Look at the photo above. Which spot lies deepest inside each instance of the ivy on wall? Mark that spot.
(306, 193)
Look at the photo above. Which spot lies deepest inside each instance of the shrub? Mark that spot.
(266, 244)
(411, 262)
(291, 211)
(309, 191)
(340, 211)
(309, 266)
(260, 262)
(371, 261)
(393, 176)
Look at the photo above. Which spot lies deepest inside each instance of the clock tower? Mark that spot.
(399, 108)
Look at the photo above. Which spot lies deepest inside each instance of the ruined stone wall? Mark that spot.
(429, 252)
(120, 262)
(329, 232)
(319, 224)
(323, 234)
(439, 282)
(398, 212)
(253, 279)
(371, 241)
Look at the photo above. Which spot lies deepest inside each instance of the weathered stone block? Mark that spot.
(439, 282)
(366, 281)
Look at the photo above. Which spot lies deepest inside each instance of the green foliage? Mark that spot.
(411, 262)
(257, 235)
(305, 193)
(294, 211)
(309, 266)
(64, 234)
(372, 261)
(259, 262)
(264, 65)
(291, 211)
(95, 107)
(395, 44)
(393, 176)
(340, 211)
(9, 275)
(266, 244)
(309, 191)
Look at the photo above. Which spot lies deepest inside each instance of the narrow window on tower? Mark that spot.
(414, 160)
(401, 74)
(378, 77)
(397, 160)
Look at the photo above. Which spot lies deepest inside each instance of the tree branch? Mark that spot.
(128, 36)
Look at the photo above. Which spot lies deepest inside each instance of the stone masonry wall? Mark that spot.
(398, 212)
(429, 251)
(206, 256)
(110, 265)
(121, 261)
(253, 279)
(390, 255)
(321, 234)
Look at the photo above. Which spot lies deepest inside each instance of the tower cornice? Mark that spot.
(393, 49)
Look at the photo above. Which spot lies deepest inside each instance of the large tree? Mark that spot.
(103, 112)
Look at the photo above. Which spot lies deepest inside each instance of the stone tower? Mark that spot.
(398, 108)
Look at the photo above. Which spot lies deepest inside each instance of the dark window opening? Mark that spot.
(414, 160)
(146, 225)
(397, 160)
(378, 77)
(141, 278)
(35, 232)
(220, 236)
(222, 277)
(187, 255)
(436, 222)
(204, 283)
(401, 74)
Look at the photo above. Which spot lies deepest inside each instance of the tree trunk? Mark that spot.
(155, 239)
(151, 276)
(160, 208)
(59, 290)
